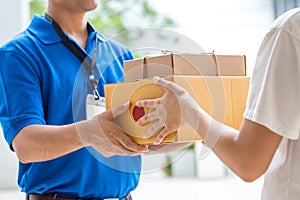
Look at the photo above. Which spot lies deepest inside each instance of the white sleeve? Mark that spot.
(274, 94)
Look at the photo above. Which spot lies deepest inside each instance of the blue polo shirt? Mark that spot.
(43, 82)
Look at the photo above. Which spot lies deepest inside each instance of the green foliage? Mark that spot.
(37, 7)
(115, 16)
(168, 167)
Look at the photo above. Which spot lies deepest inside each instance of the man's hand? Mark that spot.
(167, 148)
(105, 136)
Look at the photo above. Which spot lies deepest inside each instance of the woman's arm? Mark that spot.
(248, 152)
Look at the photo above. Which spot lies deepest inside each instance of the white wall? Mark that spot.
(8, 166)
(228, 27)
(14, 15)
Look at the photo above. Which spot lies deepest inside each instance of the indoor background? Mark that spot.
(225, 27)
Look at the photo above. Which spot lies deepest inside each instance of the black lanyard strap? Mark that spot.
(88, 63)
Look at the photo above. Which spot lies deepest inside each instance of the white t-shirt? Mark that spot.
(274, 101)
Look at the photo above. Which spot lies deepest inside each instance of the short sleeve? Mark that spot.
(20, 94)
(274, 94)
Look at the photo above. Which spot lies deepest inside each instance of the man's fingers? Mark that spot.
(121, 144)
(120, 109)
(129, 144)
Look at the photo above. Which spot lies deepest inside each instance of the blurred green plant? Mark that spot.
(37, 7)
(116, 19)
(118, 16)
(167, 169)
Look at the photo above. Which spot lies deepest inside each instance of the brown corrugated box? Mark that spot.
(185, 64)
(217, 83)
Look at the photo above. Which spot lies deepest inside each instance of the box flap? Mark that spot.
(194, 64)
(185, 64)
(231, 65)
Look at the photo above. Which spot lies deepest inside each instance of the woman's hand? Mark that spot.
(174, 109)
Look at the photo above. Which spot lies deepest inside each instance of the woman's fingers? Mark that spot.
(148, 103)
(167, 85)
(163, 124)
(161, 136)
(120, 109)
(154, 128)
(158, 113)
(162, 82)
(147, 118)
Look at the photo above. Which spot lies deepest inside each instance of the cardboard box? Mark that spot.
(185, 64)
(217, 82)
(223, 97)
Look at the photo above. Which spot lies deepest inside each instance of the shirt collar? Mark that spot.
(43, 29)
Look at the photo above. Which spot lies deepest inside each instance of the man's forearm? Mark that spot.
(36, 143)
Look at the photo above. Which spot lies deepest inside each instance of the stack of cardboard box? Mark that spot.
(217, 82)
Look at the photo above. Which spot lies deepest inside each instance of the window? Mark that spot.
(280, 6)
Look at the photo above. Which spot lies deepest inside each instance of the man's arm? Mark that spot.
(36, 143)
